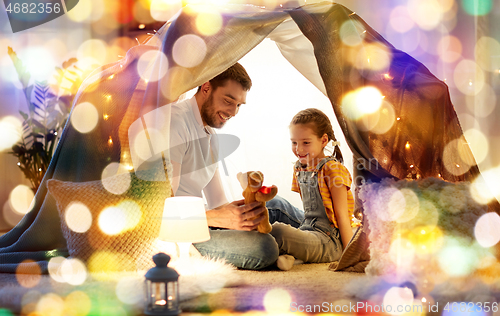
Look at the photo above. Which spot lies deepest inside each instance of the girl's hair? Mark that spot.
(320, 124)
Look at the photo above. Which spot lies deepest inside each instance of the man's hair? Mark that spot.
(237, 73)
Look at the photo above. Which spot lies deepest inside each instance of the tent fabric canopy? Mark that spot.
(309, 38)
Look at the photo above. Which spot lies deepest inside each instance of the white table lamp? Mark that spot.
(184, 222)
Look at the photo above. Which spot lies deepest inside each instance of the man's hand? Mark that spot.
(237, 216)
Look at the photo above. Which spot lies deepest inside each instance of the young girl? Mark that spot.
(325, 188)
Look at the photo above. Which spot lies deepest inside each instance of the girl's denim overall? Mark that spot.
(316, 240)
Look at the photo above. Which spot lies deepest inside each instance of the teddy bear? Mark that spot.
(251, 182)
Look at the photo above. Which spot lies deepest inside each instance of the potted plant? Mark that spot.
(48, 111)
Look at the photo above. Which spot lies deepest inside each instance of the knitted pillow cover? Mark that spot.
(112, 224)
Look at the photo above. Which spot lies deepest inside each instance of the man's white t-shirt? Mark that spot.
(195, 148)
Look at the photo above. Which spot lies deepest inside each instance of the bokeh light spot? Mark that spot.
(351, 33)
(468, 77)
(54, 268)
(105, 25)
(77, 303)
(50, 304)
(78, 217)
(73, 271)
(81, 12)
(487, 53)
(426, 13)
(28, 273)
(31, 58)
(10, 216)
(449, 49)
(209, 21)
(112, 220)
(400, 19)
(21, 199)
(456, 258)
(369, 99)
(142, 12)
(404, 204)
(386, 118)
(152, 65)
(84, 117)
(277, 301)
(174, 75)
(486, 186)
(487, 230)
(426, 239)
(104, 261)
(454, 154)
(163, 10)
(11, 131)
(29, 301)
(362, 101)
(374, 57)
(116, 178)
(132, 212)
(189, 50)
(383, 199)
(477, 7)
(398, 296)
(94, 49)
(478, 144)
(401, 252)
(141, 142)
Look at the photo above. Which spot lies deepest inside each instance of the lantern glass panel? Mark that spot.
(159, 297)
(172, 295)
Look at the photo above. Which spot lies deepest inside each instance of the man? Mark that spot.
(193, 156)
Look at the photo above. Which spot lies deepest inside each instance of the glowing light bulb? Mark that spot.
(112, 76)
(105, 116)
(407, 145)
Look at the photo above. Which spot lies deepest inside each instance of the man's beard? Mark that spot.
(208, 115)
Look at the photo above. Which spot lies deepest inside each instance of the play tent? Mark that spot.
(330, 45)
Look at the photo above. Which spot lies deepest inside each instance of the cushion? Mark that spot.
(113, 224)
(355, 256)
(422, 227)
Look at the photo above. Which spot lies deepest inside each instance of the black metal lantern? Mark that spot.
(162, 288)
